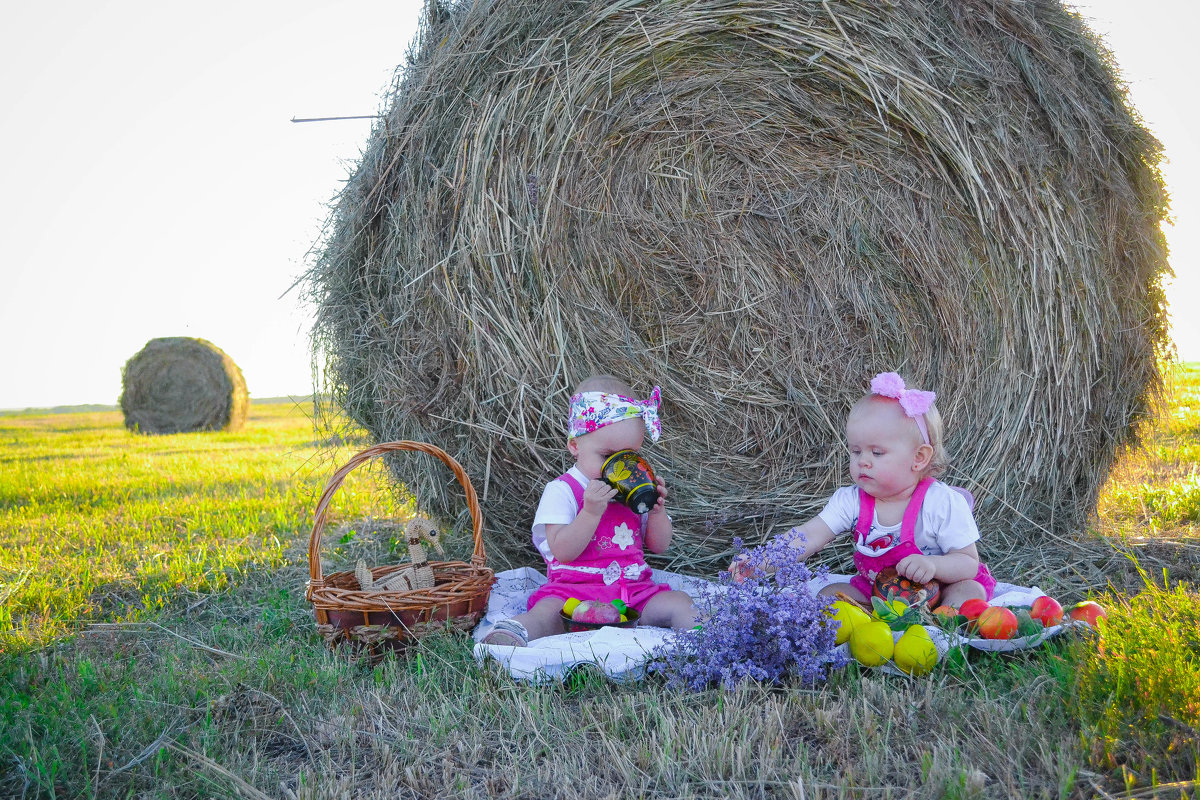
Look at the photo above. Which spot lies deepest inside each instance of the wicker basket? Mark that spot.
(381, 620)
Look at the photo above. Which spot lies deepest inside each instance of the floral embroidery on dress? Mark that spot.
(622, 536)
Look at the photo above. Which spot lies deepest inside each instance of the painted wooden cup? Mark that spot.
(630, 474)
(891, 585)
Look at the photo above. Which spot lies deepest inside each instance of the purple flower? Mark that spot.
(767, 628)
(531, 188)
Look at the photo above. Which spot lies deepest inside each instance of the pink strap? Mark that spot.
(908, 524)
(866, 513)
(576, 488)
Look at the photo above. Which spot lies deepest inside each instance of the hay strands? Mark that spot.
(756, 206)
(333, 119)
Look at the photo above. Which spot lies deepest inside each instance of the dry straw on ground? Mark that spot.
(178, 384)
(758, 205)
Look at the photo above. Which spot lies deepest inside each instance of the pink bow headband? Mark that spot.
(914, 402)
(593, 410)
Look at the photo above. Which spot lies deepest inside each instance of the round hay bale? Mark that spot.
(757, 205)
(177, 385)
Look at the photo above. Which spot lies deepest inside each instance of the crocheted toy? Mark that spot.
(419, 575)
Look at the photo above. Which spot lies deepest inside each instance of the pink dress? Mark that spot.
(613, 565)
(870, 566)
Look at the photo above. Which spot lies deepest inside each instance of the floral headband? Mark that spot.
(914, 402)
(593, 410)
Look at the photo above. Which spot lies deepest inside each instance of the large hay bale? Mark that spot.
(177, 385)
(757, 205)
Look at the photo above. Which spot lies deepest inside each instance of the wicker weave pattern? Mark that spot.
(372, 618)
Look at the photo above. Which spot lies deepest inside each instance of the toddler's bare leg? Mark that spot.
(958, 593)
(671, 609)
(543, 619)
(854, 594)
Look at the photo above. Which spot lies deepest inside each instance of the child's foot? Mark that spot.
(507, 633)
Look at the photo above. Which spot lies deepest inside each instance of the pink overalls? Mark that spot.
(613, 565)
(870, 566)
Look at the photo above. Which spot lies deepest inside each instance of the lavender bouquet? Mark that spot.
(766, 628)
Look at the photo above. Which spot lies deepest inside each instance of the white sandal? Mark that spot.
(507, 633)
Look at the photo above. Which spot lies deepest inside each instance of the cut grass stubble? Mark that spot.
(191, 668)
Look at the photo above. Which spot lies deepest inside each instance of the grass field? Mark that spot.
(154, 642)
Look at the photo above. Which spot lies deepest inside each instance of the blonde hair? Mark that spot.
(604, 383)
(933, 425)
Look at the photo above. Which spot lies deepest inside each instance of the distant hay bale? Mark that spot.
(757, 205)
(178, 385)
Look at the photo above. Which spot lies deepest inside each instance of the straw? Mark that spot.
(756, 205)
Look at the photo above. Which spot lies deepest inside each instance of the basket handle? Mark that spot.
(314, 542)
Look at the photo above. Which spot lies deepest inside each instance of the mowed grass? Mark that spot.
(155, 643)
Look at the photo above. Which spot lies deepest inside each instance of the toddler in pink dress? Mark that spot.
(898, 514)
(594, 547)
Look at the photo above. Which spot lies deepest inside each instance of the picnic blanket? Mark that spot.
(621, 653)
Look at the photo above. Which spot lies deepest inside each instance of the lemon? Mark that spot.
(915, 652)
(871, 643)
(848, 616)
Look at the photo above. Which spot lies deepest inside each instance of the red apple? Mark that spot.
(997, 622)
(1046, 610)
(1088, 611)
(973, 608)
(595, 612)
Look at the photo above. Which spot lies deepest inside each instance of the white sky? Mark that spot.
(153, 184)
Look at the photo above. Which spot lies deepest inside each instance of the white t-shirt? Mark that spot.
(558, 507)
(944, 524)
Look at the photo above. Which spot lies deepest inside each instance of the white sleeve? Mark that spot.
(947, 519)
(557, 507)
(841, 512)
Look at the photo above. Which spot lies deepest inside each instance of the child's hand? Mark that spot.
(596, 497)
(919, 568)
(661, 506)
(741, 569)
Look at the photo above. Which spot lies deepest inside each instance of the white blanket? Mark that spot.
(621, 653)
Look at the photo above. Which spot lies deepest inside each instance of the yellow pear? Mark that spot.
(915, 652)
(848, 616)
(871, 643)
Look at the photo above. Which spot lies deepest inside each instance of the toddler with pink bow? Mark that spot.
(594, 547)
(898, 513)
